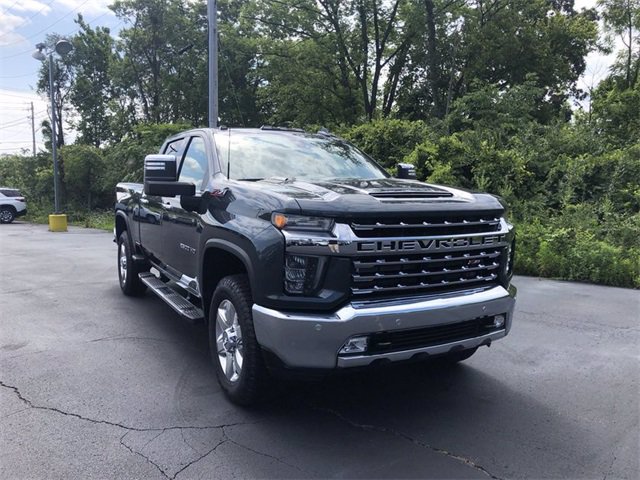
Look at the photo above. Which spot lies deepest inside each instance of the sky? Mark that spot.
(23, 23)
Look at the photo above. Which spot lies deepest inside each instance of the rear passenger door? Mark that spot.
(181, 232)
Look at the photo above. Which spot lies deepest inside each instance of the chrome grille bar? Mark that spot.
(464, 223)
(443, 284)
(423, 273)
(360, 264)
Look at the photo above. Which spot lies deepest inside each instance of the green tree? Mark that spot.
(92, 89)
(84, 170)
(622, 18)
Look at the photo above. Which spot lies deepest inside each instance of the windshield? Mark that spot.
(256, 155)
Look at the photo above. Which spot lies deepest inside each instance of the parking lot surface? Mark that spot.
(94, 384)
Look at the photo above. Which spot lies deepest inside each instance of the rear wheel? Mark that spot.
(235, 353)
(7, 215)
(128, 271)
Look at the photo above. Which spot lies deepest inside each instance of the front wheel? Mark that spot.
(130, 283)
(235, 353)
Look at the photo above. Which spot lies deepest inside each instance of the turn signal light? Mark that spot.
(279, 220)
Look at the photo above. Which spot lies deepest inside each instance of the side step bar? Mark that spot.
(176, 301)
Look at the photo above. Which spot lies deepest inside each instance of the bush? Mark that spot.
(388, 141)
(575, 254)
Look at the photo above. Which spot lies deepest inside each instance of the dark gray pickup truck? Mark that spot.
(303, 255)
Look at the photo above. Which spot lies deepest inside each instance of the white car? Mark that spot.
(12, 204)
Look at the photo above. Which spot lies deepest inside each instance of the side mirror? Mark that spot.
(161, 177)
(406, 170)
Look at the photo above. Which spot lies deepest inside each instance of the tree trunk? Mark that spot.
(432, 60)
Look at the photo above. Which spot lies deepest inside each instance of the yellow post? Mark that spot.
(58, 222)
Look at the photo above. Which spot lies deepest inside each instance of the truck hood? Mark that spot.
(371, 198)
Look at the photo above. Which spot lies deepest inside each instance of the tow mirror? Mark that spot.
(161, 177)
(406, 170)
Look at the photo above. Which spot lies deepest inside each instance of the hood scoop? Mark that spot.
(415, 194)
(407, 194)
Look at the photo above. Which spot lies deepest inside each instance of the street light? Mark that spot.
(62, 47)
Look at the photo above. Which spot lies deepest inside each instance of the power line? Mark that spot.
(18, 96)
(18, 122)
(24, 52)
(40, 113)
(6, 10)
(49, 26)
(19, 76)
(25, 20)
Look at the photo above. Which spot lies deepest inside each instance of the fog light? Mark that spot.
(355, 345)
(498, 321)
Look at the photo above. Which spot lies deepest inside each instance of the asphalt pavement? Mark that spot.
(94, 384)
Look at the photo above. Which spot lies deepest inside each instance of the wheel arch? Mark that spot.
(221, 259)
(8, 206)
(121, 224)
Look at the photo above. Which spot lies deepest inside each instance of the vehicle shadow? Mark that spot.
(463, 413)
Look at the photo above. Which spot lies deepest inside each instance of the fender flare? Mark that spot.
(232, 248)
(125, 218)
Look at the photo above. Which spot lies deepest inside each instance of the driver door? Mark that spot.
(182, 228)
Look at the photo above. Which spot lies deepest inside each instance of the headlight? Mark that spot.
(300, 274)
(301, 222)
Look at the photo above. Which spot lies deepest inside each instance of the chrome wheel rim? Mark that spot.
(122, 263)
(5, 215)
(229, 341)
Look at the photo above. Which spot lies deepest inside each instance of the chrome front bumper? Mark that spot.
(303, 340)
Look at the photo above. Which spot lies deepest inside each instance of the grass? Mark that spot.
(100, 219)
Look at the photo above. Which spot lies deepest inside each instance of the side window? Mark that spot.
(194, 165)
(175, 147)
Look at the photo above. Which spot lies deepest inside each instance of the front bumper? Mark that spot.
(302, 340)
(21, 213)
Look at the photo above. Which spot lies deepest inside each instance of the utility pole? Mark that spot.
(33, 130)
(212, 15)
(57, 221)
(54, 140)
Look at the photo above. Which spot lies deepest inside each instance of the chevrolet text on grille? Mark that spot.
(429, 244)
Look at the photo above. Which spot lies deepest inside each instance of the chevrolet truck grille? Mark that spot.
(394, 273)
(437, 272)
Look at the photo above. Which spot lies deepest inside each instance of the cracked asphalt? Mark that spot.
(97, 385)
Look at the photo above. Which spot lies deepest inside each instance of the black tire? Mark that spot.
(249, 385)
(7, 214)
(458, 356)
(130, 283)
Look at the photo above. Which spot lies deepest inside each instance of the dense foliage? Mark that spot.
(482, 94)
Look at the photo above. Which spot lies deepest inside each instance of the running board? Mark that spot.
(176, 301)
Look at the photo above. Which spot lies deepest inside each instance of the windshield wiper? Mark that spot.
(274, 178)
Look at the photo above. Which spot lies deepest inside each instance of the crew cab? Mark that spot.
(302, 254)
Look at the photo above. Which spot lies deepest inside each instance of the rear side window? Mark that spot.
(10, 193)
